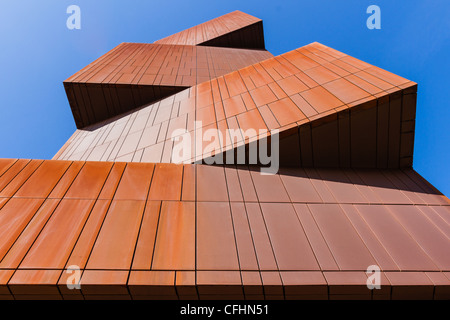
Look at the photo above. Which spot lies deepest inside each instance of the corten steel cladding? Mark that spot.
(137, 226)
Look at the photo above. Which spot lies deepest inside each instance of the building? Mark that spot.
(113, 208)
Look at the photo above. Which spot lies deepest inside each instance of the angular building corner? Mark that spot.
(115, 212)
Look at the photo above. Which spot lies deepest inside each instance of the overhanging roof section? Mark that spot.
(135, 74)
(235, 30)
(219, 232)
(331, 109)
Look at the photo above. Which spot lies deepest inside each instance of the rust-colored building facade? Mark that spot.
(116, 210)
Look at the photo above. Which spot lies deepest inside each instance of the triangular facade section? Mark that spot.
(331, 110)
(233, 30)
(135, 74)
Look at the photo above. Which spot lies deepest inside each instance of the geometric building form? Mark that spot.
(134, 74)
(219, 232)
(331, 110)
(233, 30)
(135, 225)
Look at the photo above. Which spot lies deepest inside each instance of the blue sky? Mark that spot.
(38, 52)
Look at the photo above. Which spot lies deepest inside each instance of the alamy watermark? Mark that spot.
(212, 146)
(373, 277)
(74, 20)
(374, 21)
(74, 280)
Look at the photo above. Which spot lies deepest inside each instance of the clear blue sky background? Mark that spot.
(38, 52)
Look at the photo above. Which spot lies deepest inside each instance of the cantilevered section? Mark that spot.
(166, 231)
(135, 74)
(234, 30)
(331, 109)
